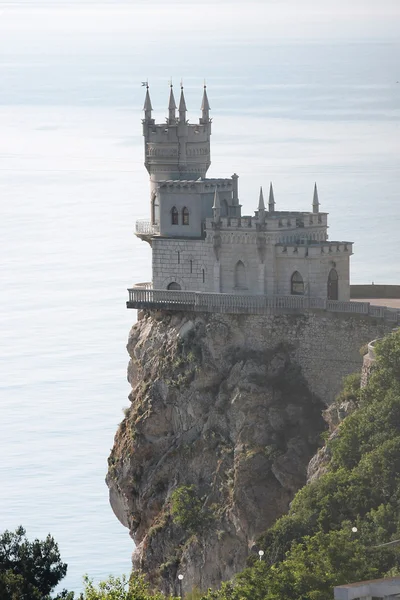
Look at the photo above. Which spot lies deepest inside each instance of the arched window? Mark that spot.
(174, 216)
(225, 209)
(240, 276)
(185, 216)
(191, 266)
(296, 284)
(204, 275)
(333, 285)
(173, 286)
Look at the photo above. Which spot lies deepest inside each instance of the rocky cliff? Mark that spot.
(222, 407)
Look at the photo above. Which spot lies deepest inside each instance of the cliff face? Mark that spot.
(224, 409)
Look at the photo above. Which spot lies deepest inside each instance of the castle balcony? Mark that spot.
(143, 296)
(145, 229)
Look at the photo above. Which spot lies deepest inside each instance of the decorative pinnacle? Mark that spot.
(261, 205)
(147, 102)
(315, 197)
(182, 105)
(217, 204)
(271, 199)
(205, 106)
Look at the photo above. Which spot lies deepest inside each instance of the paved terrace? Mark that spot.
(142, 296)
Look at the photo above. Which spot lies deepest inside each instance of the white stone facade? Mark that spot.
(201, 242)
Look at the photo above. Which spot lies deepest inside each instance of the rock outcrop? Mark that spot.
(211, 409)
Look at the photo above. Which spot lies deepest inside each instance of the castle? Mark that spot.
(202, 243)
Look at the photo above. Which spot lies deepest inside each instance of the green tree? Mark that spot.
(187, 509)
(30, 570)
(119, 588)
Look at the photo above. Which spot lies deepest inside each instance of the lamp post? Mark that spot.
(180, 577)
(260, 554)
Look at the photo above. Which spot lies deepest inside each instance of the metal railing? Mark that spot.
(142, 295)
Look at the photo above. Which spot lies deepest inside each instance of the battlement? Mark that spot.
(276, 221)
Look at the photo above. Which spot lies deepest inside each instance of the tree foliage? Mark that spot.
(314, 548)
(29, 570)
(119, 588)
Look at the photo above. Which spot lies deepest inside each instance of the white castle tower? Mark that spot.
(202, 243)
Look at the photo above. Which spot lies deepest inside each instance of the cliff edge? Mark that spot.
(216, 442)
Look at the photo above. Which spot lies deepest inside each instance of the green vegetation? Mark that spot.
(30, 570)
(119, 588)
(188, 510)
(313, 547)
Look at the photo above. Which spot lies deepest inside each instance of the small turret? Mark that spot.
(315, 202)
(271, 199)
(171, 107)
(147, 105)
(182, 107)
(216, 207)
(205, 107)
(261, 207)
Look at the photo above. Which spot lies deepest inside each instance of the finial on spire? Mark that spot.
(182, 106)
(205, 106)
(271, 199)
(171, 105)
(315, 203)
(216, 206)
(147, 103)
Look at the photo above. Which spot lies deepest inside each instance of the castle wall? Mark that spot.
(187, 269)
(325, 345)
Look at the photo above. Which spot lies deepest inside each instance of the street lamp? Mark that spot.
(180, 577)
(261, 553)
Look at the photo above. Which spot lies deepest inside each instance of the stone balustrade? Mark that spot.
(143, 296)
(146, 227)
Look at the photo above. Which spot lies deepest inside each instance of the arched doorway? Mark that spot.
(240, 276)
(296, 284)
(173, 286)
(333, 285)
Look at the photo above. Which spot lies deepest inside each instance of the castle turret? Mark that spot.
(315, 203)
(271, 199)
(176, 149)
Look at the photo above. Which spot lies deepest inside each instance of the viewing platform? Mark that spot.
(143, 296)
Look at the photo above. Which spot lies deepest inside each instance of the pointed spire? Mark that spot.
(147, 104)
(315, 202)
(205, 107)
(271, 199)
(216, 206)
(171, 106)
(182, 106)
(261, 205)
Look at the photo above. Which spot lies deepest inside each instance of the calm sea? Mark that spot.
(299, 94)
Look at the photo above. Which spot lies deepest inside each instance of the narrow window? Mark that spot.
(333, 285)
(297, 284)
(240, 276)
(204, 275)
(185, 216)
(179, 258)
(191, 266)
(174, 216)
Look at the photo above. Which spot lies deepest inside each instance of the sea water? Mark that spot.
(298, 94)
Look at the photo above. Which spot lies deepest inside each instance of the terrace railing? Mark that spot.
(142, 295)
